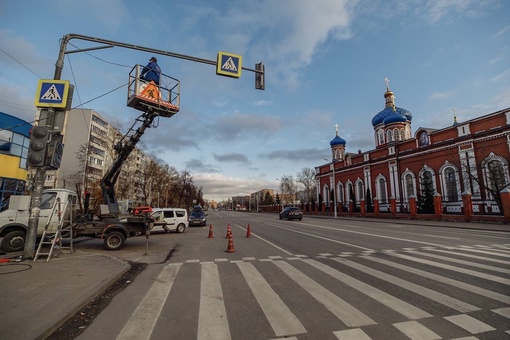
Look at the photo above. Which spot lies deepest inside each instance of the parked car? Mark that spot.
(197, 217)
(170, 219)
(291, 213)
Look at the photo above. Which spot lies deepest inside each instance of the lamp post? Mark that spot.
(281, 198)
(334, 185)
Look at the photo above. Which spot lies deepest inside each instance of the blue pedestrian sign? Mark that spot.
(52, 93)
(229, 64)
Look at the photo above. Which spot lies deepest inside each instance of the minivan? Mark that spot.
(170, 219)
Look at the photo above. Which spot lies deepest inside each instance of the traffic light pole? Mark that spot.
(40, 174)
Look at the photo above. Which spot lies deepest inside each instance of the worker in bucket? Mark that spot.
(152, 72)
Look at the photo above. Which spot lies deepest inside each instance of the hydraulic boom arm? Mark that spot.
(109, 179)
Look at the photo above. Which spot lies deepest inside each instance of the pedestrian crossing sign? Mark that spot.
(229, 64)
(52, 93)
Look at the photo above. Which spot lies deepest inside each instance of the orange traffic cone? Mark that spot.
(210, 232)
(230, 248)
(248, 231)
(229, 232)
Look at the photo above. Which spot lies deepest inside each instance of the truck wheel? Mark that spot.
(14, 241)
(114, 240)
(180, 228)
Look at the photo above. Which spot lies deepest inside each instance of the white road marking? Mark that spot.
(458, 284)
(282, 320)
(446, 300)
(145, 316)
(212, 316)
(399, 306)
(455, 269)
(470, 324)
(352, 334)
(416, 331)
(344, 311)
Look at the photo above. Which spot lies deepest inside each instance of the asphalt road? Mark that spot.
(315, 279)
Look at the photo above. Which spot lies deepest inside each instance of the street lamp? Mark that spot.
(281, 198)
(334, 184)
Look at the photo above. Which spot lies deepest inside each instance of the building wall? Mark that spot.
(483, 137)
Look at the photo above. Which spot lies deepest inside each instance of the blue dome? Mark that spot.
(388, 111)
(337, 141)
(395, 118)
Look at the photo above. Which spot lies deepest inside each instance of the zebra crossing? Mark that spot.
(459, 292)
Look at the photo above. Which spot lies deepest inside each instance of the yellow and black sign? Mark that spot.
(229, 64)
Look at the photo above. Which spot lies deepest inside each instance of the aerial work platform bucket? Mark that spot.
(163, 99)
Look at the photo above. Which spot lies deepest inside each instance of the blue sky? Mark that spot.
(325, 62)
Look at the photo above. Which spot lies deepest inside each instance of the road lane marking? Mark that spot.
(455, 269)
(349, 315)
(212, 316)
(416, 331)
(470, 324)
(352, 334)
(458, 284)
(467, 263)
(399, 306)
(471, 256)
(145, 316)
(441, 298)
(282, 320)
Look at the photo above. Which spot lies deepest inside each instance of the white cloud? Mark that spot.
(441, 95)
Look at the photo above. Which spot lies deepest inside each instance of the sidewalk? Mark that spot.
(38, 297)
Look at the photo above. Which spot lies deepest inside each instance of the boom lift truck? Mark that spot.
(154, 101)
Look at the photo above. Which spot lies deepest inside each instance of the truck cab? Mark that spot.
(58, 206)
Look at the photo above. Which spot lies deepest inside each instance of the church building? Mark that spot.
(466, 158)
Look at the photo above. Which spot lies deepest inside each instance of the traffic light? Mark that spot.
(38, 146)
(55, 152)
(259, 77)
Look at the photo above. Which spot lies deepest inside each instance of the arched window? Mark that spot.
(402, 134)
(395, 135)
(495, 175)
(450, 184)
(382, 194)
(350, 193)
(427, 181)
(409, 185)
(381, 137)
(340, 190)
(325, 194)
(359, 190)
(389, 136)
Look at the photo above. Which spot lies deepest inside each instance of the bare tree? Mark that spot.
(307, 178)
(289, 189)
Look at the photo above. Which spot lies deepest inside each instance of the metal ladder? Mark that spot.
(54, 238)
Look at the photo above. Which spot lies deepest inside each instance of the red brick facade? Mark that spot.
(468, 158)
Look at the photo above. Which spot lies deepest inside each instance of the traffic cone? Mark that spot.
(229, 232)
(210, 232)
(248, 231)
(230, 248)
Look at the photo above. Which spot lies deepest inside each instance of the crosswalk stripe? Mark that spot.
(471, 256)
(413, 287)
(469, 323)
(212, 316)
(492, 253)
(505, 311)
(352, 334)
(144, 318)
(386, 299)
(455, 269)
(282, 320)
(431, 276)
(344, 311)
(416, 331)
(468, 263)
